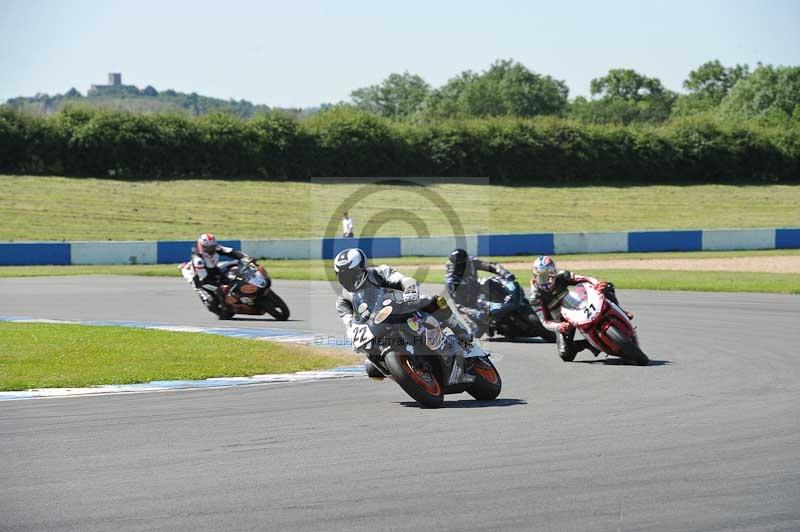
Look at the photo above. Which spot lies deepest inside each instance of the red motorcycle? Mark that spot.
(602, 323)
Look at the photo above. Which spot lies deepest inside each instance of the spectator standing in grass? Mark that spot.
(347, 226)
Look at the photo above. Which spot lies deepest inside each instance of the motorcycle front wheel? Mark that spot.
(418, 382)
(487, 383)
(275, 306)
(629, 350)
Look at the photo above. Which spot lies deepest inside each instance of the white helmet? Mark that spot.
(207, 248)
(544, 271)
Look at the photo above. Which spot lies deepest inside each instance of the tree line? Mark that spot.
(507, 123)
(770, 94)
(345, 141)
(146, 100)
(623, 96)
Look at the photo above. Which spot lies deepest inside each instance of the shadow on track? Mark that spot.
(471, 403)
(623, 362)
(516, 340)
(262, 320)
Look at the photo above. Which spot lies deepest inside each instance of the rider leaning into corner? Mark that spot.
(353, 272)
(548, 288)
(461, 280)
(209, 270)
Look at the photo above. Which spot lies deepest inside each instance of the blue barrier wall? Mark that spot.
(373, 247)
(173, 252)
(524, 244)
(787, 238)
(647, 241)
(32, 253)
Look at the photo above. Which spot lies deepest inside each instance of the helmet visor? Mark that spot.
(544, 278)
(208, 249)
(459, 268)
(352, 279)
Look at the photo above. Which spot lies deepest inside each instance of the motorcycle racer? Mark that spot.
(352, 272)
(548, 288)
(209, 270)
(461, 281)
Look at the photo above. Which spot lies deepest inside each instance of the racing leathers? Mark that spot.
(464, 288)
(547, 305)
(385, 276)
(209, 272)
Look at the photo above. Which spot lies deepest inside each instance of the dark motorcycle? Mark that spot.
(410, 346)
(497, 294)
(246, 290)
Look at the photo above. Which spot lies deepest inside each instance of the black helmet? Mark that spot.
(458, 257)
(350, 266)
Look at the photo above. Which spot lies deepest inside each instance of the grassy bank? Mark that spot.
(56, 355)
(429, 269)
(56, 208)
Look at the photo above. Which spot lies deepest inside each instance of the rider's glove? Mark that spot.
(601, 286)
(564, 327)
(411, 294)
(510, 277)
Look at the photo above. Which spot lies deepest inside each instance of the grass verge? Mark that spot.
(66, 355)
(58, 208)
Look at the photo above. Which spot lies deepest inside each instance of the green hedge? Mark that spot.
(346, 142)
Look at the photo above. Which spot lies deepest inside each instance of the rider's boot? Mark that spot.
(463, 334)
(223, 310)
(222, 292)
(568, 347)
(458, 375)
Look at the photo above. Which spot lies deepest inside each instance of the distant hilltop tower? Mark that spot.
(114, 82)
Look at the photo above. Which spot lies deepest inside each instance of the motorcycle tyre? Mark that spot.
(629, 350)
(483, 389)
(274, 305)
(400, 368)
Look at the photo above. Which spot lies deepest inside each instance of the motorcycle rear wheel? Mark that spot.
(487, 383)
(629, 350)
(422, 386)
(223, 314)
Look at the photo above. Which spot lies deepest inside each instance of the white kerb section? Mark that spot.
(114, 252)
(589, 242)
(307, 248)
(730, 239)
(436, 246)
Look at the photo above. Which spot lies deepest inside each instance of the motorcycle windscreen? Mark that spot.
(365, 301)
(494, 290)
(576, 299)
(582, 304)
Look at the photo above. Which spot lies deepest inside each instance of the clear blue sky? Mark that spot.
(304, 53)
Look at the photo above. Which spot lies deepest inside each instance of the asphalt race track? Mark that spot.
(707, 438)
